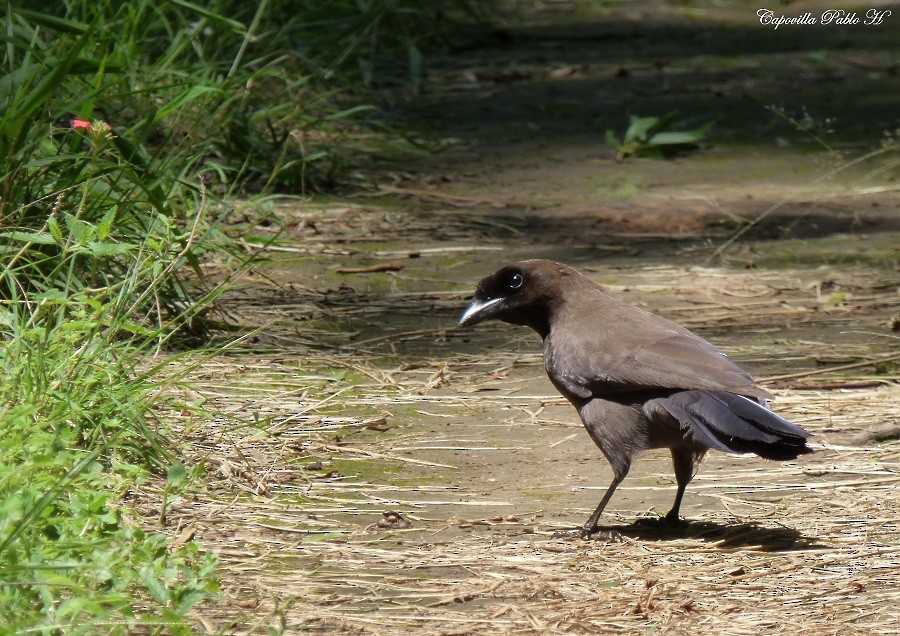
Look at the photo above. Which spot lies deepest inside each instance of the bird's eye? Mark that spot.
(516, 281)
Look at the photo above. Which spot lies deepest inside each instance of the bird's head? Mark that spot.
(522, 293)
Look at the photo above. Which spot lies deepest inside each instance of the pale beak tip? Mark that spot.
(479, 310)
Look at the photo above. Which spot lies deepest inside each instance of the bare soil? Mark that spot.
(353, 395)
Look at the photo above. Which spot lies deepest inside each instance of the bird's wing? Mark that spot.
(653, 353)
(730, 423)
(683, 361)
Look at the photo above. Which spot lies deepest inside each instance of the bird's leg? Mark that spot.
(683, 461)
(591, 526)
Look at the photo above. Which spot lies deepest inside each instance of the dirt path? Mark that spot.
(357, 396)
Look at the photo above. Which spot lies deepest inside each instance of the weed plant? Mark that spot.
(268, 94)
(97, 222)
(77, 393)
(122, 124)
(76, 434)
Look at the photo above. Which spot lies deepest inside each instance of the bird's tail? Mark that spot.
(732, 423)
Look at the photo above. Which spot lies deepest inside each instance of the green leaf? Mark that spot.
(48, 85)
(185, 98)
(51, 296)
(348, 112)
(29, 237)
(55, 230)
(97, 248)
(639, 128)
(189, 600)
(215, 17)
(416, 67)
(194, 264)
(176, 474)
(156, 587)
(662, 123)
(105, 224)
(82, 232)
(51, 21)
(19, 79)
(612, 140)
(687, 137)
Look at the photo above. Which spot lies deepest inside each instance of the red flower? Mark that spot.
(81, 124)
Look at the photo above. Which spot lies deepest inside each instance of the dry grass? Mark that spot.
(354, 400)
(811, 547)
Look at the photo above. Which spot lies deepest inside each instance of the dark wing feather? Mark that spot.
(728, 422)
(624, 348)
(657, 409)
(762, 417)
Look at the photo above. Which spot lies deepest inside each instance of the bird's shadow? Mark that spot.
(723, 535)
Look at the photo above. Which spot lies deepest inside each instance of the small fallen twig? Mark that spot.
(403, 335)
(827, 386)
(882, 434)
(840, 367)
(563, 440)
(452, 199)
(393, 266)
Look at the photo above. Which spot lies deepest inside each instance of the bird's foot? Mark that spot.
(674, 521)
(567, 534)
(668, 521)
(612, 536)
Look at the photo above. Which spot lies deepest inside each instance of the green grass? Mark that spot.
(76, 434)
(124, 127)
(263, 95)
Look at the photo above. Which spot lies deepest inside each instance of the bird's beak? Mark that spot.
(479, 311)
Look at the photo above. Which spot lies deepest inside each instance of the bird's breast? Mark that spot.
(563, 374)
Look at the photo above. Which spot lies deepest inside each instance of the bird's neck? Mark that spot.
(538, 317)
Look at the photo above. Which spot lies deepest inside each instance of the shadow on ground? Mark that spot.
(723, 535)
(547, 80)
(360, 397)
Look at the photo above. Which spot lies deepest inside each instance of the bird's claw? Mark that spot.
(612, 536)
(567, 534)
(661, 522)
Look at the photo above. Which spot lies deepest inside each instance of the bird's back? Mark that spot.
(600, 346)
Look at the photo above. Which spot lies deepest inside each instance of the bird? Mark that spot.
(638, 380)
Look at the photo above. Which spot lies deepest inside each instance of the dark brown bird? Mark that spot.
(638, 381)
